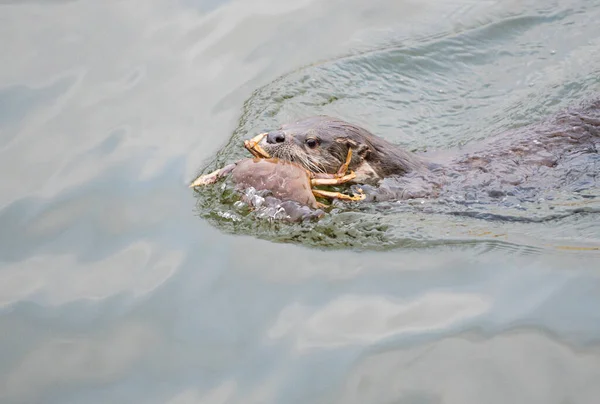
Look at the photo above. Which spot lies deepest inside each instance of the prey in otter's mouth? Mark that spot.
(286, 180)
(321, 144)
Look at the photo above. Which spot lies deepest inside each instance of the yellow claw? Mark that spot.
(333, 181)
(342, 171)
(253, 146)
(338, 195)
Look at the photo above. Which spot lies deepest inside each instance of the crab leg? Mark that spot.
(338, 195)
(253, 146)
(342, 171)
(213, 177)
(332, 181)
(339, 178)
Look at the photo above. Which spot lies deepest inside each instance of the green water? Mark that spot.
(119, 284)
(432, 93)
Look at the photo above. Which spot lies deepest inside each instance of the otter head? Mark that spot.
(320, 144)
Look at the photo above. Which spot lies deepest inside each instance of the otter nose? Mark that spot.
(275, 137)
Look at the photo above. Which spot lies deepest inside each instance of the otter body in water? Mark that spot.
(553, 154)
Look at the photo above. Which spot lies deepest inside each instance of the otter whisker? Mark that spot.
(316, 165)
(310, 164)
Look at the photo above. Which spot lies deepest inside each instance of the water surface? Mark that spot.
(116, 285)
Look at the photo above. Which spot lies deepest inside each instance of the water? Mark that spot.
(118, 284)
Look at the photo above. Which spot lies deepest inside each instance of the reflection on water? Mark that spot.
(540, 367)
(80, 360)
(50, 279)
(369, 319)
(118, 284)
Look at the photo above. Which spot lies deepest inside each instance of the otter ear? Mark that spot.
(360, 148)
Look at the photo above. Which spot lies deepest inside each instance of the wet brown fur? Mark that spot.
(543, 154)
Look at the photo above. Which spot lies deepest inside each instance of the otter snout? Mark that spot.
(275, 137)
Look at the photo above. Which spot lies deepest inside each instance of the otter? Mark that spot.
(321, 144)
(555, 153)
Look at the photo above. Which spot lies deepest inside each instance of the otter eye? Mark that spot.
(312, 142)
